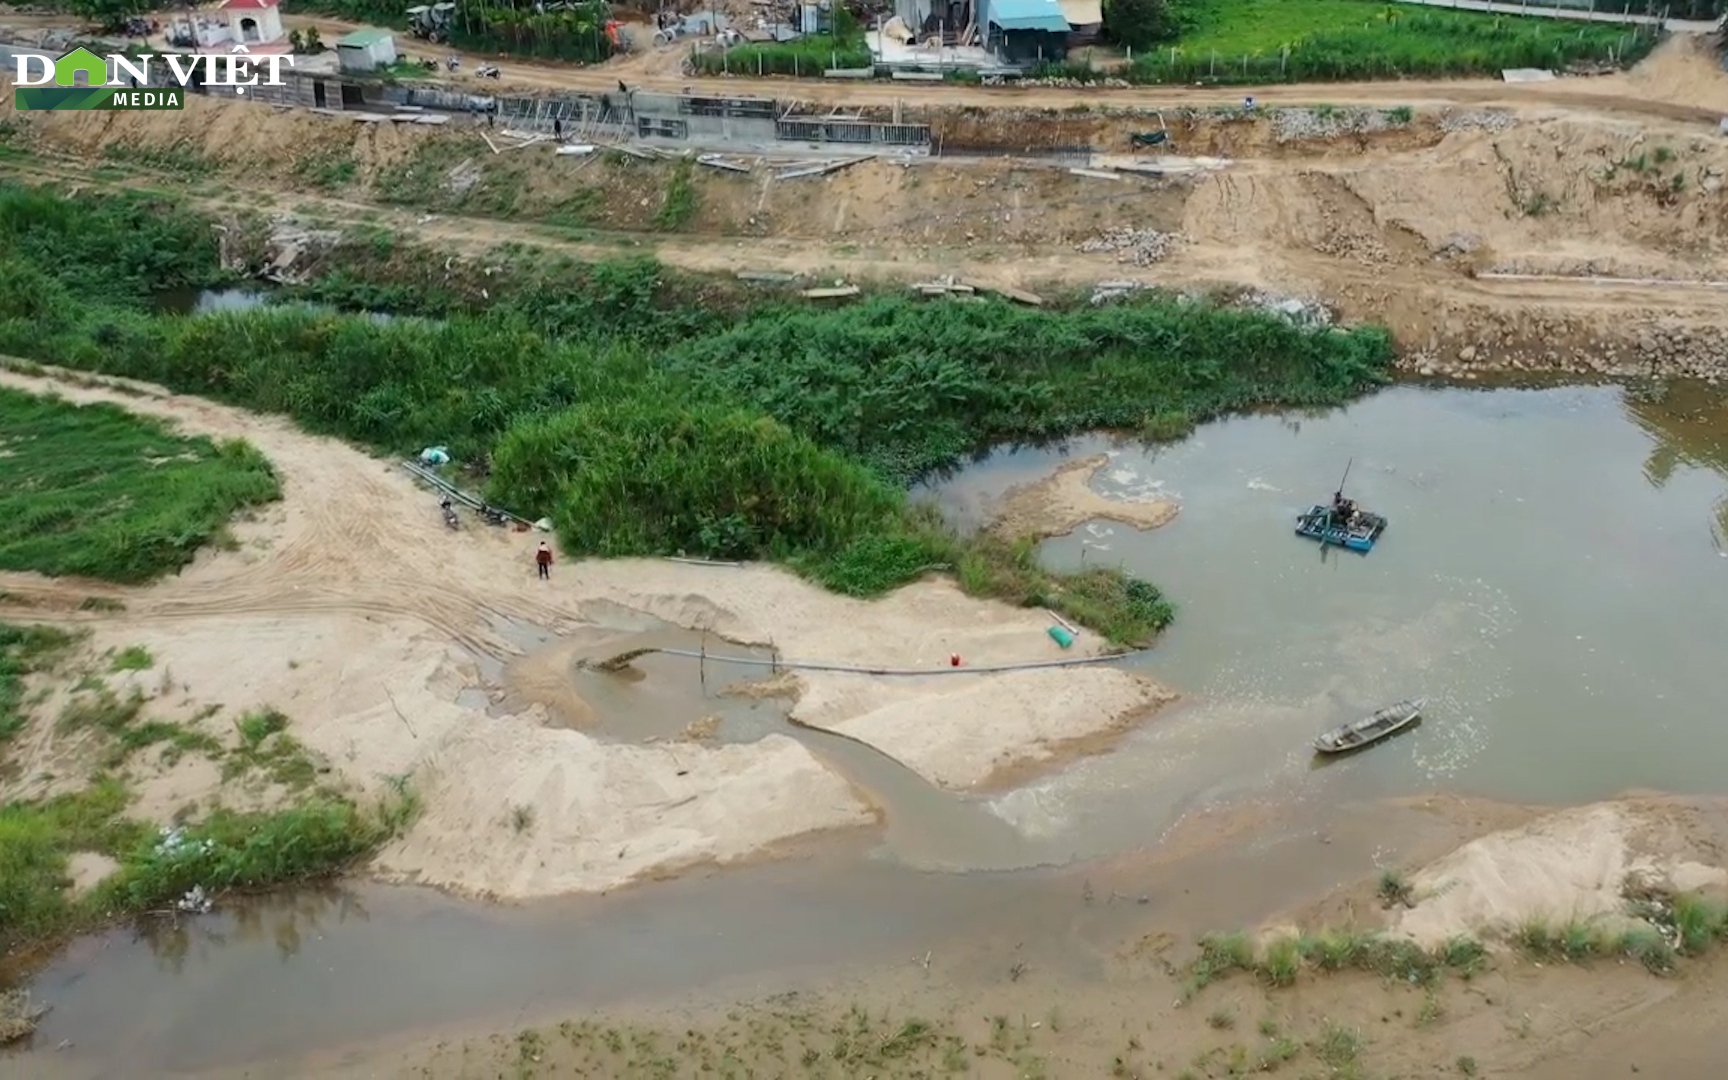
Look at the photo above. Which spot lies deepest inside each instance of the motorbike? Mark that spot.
(487, 71)
(450, 519)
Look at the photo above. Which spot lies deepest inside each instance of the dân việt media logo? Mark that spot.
(122, 82)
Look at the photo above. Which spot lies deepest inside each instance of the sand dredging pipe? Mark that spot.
(619, 661)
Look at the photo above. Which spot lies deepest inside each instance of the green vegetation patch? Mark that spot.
(104, 248)
(1661, 927)
(23, 649)
(773, 431)
(98, 492)
(230, 850)
(1261, 41)
(805, 58)
(841, 48)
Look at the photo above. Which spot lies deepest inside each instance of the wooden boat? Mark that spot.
(1354, 736)
(1359, 533)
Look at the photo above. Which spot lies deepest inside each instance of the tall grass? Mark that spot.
(787, 433)
(104, 248)
(720, 481)
(228, 851)
(23, 649)
(96, 491)
(36, 839)
(913, 388)
(1666, 926)
(804, 58)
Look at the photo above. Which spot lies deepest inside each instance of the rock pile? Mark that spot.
(1291, 125)
(1489, 120)
(1292, 309)
(1060, 84)
(1140, 247)
(1645, 352)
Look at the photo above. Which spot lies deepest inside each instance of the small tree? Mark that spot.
(1139, 24)
(111, 15)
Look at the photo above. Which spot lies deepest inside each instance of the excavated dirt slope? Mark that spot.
(1413, 218)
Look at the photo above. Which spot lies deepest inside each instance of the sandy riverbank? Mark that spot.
(382, 639)
(1105, 991)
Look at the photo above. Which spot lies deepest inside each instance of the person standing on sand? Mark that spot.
(543, 560)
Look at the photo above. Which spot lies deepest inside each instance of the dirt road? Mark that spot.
(1672, 98)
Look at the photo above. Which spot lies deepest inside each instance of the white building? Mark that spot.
(252, 22)
(256, 24)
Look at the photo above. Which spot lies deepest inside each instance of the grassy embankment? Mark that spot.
(1660, 928)
(778, 432)
(98, 492)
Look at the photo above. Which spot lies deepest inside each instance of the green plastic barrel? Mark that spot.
(1061, 636)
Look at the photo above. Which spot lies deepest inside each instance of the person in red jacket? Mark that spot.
(543, 559)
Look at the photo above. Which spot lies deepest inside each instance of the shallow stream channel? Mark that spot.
(1554, 580)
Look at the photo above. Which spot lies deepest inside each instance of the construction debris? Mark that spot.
(289, 244)
(950, 285)
(720, 161)
(1019, 296)
(1297, 311)
(433, 119)
(835, 293)
(1096, 174)
(646, 153)
(1106, 291)
(1141, 247)
(943, 286)
(821, 168)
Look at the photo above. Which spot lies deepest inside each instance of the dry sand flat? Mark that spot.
(964, 732)
(1571, 865)
(351, 610)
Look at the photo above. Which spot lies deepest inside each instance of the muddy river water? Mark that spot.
(1554, 581)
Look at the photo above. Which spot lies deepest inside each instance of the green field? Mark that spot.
(96, 491)
(1259, 41)
(1234, 28)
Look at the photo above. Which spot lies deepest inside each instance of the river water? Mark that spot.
(1553, 580)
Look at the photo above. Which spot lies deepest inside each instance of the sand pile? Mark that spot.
(523, 811)
(1566, 866)
(963, 731)
(1683, 70)
(917, 626)
(1065, 500)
